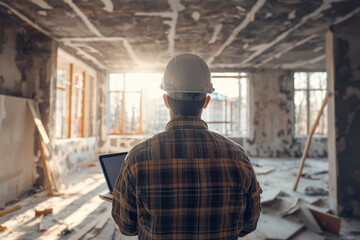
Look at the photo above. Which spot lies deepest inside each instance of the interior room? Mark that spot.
(80, 79)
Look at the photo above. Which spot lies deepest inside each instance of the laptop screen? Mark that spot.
(111, 165)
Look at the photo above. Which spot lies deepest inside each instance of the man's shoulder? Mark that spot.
(230, 143)
(146, 145)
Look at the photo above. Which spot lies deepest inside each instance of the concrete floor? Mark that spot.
(80, 203)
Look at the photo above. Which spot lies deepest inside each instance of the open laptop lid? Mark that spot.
(111, 165)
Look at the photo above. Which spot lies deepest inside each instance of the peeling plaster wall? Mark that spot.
(17, 172)
(272, 121)
(344, 117)
(27, 61)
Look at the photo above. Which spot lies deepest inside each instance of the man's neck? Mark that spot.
(176, 116)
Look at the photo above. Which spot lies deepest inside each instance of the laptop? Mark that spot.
(111, 165)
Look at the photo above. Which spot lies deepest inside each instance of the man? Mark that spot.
(186, 182)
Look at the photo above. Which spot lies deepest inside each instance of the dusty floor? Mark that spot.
(80, 204)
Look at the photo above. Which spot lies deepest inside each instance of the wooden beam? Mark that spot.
(70, 97)
(83, 106)
(303, 158)
(47, 173)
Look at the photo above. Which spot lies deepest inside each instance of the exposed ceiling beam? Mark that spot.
(315, 14)
(84, 18)
(250, 17)
(176, 7)
(301, 63)
(285, 50)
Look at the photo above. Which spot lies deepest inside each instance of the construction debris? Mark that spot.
(43, 212)
(2, 228)
(269, 196)
(327, 221)
(10, 210)
(315, 191)
(79, 234)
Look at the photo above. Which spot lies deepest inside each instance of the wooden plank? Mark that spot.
(327, 221)
(48, 179)
(79, 234)
(10, 210)
(55, 168)
(275, 227)
(308, 219)
(293, 208)
(308, 142)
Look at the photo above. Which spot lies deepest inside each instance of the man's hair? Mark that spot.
(186, 108)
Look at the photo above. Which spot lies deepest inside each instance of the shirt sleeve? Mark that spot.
(253, 208)
(124, 209)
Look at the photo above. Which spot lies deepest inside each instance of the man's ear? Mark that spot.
(207, 100)
(165, 97)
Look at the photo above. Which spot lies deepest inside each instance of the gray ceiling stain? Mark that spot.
(238, 34)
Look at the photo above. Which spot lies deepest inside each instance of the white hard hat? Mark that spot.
(187, 77)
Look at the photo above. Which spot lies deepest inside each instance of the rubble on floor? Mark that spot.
(78, 213)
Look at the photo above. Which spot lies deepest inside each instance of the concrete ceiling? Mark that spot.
(132, 35)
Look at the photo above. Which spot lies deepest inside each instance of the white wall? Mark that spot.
(17, 161)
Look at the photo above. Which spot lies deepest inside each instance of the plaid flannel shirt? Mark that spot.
(186, 183)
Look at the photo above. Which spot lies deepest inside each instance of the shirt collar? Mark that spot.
(186, 123)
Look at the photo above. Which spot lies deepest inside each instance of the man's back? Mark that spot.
(187, 183)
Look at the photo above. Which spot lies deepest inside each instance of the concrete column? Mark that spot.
(343, 68)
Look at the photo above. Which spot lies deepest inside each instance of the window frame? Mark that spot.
(307, 91)
(123, 104)
(239, 76)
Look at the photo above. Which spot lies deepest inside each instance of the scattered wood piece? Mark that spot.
(2, 228)
(315, 191)
(79, 234)
(43, 212)
(269, 195)
(275, 227)
(263, 170)
(41, 227)
(308, 219)
(83, 165)
(326, 221)
(54, 166)
(293, 208)
(10, 210)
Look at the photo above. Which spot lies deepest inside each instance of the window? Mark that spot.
(62, 104)
(228, 110)
(75, 98)
(136, 105)
(309, 91)
(77, 93)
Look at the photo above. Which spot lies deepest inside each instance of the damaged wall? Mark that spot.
(272, 119)
(343, 64)
(27, 62)
(17, 172)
